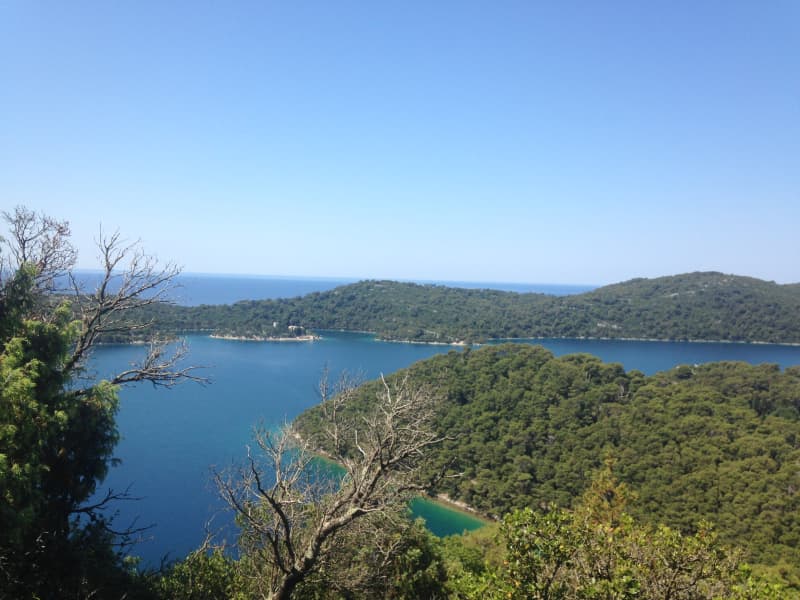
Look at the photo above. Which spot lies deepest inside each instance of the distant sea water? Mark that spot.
(198, 288)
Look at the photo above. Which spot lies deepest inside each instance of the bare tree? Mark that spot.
(291, 513)
(39, 241)
(131, 281)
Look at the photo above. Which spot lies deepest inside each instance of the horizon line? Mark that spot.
(351, 279)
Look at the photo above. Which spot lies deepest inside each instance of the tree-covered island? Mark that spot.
(693, 306)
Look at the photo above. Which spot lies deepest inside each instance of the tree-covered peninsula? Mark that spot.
(694, 306)
(717, 442)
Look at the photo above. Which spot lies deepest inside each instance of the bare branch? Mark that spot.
(291, 522)
(109, 497)
(41, 242)
(115, 306)
(161, 367)
(131, 281)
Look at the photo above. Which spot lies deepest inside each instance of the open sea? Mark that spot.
(196, 288)
(171, 439)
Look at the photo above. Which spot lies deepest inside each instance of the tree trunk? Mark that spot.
(286, 586)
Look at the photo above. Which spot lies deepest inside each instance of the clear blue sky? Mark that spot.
(569, 142)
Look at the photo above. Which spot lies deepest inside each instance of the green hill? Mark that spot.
(719, 442)
(694, 306)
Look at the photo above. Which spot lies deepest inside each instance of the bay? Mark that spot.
(443, 520)
(172, 438)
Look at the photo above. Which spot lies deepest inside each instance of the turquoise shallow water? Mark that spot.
(172, 438)
(441, 520)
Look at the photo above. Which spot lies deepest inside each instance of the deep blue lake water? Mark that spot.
(172, 438)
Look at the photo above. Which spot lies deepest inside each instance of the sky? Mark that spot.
(552, 142)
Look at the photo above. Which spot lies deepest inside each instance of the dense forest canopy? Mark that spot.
(694, 306)
(717, 442)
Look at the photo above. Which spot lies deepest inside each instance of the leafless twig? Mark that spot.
(289, 513)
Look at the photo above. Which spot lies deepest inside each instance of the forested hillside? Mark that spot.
(718, 442)
(695, 306)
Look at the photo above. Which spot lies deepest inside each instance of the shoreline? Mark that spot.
(587, 338)
(456, 343)
(459, 506)
(635, 339)
(441, 498)
(559, 337)
(257, 338)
